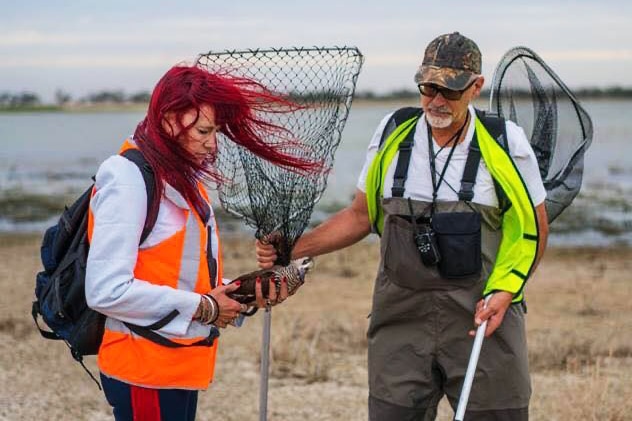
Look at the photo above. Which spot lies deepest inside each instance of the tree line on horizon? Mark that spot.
(27, 99)
(610, 92)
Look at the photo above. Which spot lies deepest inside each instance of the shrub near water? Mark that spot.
(19, 207)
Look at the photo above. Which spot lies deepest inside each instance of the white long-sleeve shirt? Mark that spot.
(119, 208)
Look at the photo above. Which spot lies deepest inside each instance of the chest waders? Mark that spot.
(418, 341)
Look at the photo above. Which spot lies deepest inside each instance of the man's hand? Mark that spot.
(345, 228)
(494, 313)
(266, 254)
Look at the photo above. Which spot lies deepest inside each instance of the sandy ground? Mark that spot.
(579, 330)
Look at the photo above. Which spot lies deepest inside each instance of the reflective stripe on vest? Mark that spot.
(518, 248)
(178, 261)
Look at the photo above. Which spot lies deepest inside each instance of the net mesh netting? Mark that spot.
(526, 91)
(322, 81)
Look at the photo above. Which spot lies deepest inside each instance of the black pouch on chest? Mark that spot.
(458, 237)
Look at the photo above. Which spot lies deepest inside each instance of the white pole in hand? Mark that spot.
(471, 367)
(265, 363)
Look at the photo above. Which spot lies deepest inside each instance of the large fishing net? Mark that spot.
(526, 91)
(276, 201)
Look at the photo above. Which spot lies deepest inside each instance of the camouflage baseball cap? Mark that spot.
(452, 61)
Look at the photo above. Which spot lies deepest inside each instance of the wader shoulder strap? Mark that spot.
(403, 161)
(466, 193)
(405, 147)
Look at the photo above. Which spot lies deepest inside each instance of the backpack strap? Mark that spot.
(399, 117)
(497, 128)
(137, 157)
(147, 332)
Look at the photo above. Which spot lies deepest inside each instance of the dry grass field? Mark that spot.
(579, 331)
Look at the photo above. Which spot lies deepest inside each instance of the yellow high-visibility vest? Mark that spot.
(518, 248)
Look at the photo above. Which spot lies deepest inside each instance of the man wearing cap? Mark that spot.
(458, 201)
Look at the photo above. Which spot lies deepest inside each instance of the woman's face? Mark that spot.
(201, 139)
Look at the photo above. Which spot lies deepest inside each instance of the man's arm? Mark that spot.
(343, 229)
(501, 300)
(543, 232)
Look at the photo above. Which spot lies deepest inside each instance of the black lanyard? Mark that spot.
(431, 156)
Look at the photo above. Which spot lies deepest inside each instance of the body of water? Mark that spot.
(47, 158)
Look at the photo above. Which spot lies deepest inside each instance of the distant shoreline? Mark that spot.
(360, 100)
(78, 108)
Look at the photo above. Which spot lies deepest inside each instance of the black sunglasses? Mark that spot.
(431, 90)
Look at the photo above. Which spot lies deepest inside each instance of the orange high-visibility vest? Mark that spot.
(179, 261)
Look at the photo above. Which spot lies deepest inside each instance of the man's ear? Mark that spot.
(478, 85)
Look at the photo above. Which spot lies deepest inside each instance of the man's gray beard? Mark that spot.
(439, 122)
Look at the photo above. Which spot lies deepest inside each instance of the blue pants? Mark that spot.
(131, 403)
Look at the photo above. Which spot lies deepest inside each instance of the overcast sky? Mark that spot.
(86, 46)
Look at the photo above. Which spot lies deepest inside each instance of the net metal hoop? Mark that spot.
(517, 53)
(566, 161)
(323, 80)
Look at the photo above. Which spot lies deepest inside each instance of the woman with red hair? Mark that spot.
(171, 283)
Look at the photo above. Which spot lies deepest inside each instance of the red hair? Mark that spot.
(235, 101)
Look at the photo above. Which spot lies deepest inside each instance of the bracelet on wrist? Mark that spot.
(207, 310)
(215, 313)
(201, 311)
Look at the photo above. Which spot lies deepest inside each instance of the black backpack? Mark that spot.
(59, 288)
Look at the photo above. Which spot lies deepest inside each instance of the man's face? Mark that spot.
(442, 113)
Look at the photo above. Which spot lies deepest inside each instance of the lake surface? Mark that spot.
(54, 155)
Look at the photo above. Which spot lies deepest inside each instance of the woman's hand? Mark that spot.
(229, 309)
(273, 298)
